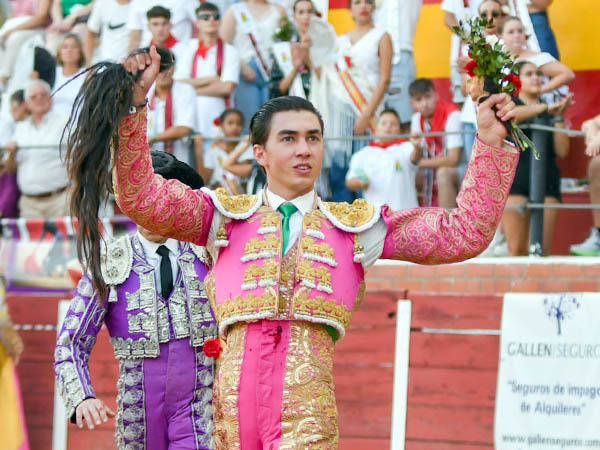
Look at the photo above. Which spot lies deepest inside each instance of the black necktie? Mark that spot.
(166, 273)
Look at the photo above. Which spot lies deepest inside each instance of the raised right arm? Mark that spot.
(167, 207)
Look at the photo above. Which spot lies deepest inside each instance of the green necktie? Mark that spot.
(286, 210)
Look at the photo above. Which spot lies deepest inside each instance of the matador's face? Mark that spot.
(293, 153)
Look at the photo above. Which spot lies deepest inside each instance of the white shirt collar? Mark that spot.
(151, 247)
(304, 203)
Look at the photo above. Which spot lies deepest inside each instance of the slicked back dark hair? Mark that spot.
(206, 6)
(420, 86)
(260, 123)
(158, 11)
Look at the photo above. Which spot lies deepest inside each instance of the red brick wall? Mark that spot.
(489, 276)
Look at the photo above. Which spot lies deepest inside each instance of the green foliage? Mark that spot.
(284, 32)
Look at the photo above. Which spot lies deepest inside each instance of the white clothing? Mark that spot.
(184, 115)
(7, 128)
(364, 54)
(399, 18)
(208, 108)
(391, 174)
(461, 12)
(109, 19)
(468, 112)
(539, 59)
(264, 30)
(63, 99)
(452, 126)
(372, 239)
(183, 14)
(154, 258)
(40, 170)
(213, 159)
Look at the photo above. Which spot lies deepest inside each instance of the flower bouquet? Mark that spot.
(492, 71)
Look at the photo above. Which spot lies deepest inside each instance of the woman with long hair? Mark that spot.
(556, 74)
(364, 61)
(70, 60)
(529, 106)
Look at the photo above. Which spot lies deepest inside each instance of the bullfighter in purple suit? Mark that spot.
(165, 380)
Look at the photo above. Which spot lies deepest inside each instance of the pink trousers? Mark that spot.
(274, 388)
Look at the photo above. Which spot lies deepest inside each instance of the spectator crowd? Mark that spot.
(230, 57)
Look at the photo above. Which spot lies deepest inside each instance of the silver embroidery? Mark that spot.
(77, 305)
(71, 322)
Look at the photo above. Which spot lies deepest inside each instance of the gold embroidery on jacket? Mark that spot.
(236, 204)
(358, 213)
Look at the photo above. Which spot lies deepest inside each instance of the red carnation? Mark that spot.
(516, 82)
(212, 348)
(470, 67)
(348, 61)
(217, 122)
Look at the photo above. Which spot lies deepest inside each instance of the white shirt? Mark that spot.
(452, 125)
(64, 97)
(208, 108)
(391, 174)
(399, 18)
(183, 14)
(213, 159)
(461, 13)
(184, 115)
(372, 239)
(109, 19)
(40, 170)
(154, 258)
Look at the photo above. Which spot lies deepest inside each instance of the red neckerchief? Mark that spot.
(202, 51)
(169, 42)
(438, 122)
(386, 144)
(168, 116)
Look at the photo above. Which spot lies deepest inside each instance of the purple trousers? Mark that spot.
(165, 403)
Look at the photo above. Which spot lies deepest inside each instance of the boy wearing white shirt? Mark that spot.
(211, 66)
(386, 170)
(171, 116)
(182, 17)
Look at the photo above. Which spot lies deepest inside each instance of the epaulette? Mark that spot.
(202, 254)
(116, 260)
(354, 218)
(237, 207)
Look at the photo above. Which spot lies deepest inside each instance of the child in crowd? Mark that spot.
(386, 170)
(226, 162)
(443, 160)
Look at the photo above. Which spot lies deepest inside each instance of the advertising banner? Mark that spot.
(548, 393)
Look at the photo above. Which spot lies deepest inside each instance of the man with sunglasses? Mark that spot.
(211, 66)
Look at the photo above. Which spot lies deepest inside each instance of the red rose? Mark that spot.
(470, 67)
(516, 82)
(217, 122)
(469, 53)
(212, 348)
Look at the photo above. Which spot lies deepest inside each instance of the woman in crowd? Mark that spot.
(364, 61)
(68, 16)
(516, 223)
(28, 18)
(70, 60)
(556, 74)
(292, 65)
(226, 162)
(249, 26)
